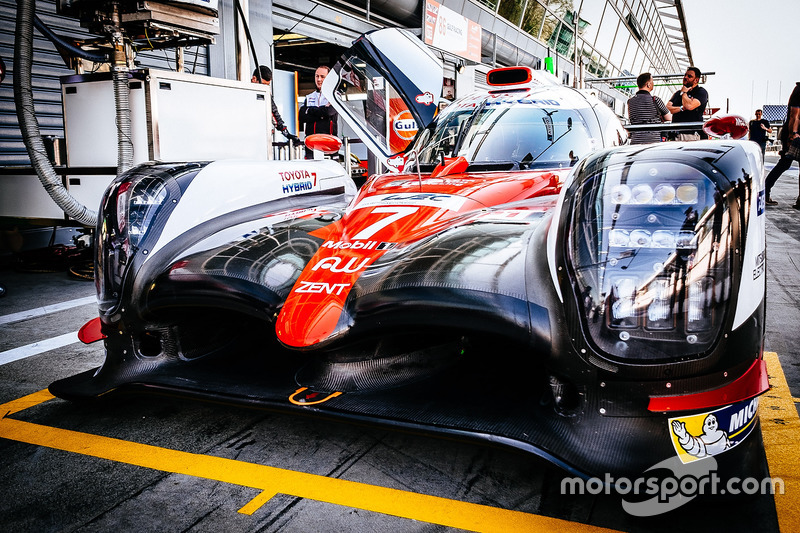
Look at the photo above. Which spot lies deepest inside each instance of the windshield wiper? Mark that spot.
(552, 143)
(492, 165)
(466, 126)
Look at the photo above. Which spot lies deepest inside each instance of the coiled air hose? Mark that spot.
(29, 125)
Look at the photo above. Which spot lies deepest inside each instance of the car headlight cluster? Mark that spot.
(649, 246)
(659, 194)
(137, 203)
(130, 207)
(642, 238)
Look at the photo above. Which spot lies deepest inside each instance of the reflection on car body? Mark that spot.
(520, 278)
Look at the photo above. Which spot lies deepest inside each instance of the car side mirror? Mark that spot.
(327, 144)
(732, 125)
(450, 165)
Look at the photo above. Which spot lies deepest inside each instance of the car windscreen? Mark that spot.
(507, 134)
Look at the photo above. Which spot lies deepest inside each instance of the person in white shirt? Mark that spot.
(316, 114)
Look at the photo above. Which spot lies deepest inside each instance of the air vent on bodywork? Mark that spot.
(509, 76)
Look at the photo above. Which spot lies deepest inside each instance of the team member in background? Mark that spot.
(689, 103)
(759, 127)
(788, 134)
(263, 74)
(644, 108)
(316, 114)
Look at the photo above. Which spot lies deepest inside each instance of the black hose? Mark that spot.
(69, 47)
(29, 125)
(249, 38)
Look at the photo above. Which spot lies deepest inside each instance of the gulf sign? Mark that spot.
(403, 126)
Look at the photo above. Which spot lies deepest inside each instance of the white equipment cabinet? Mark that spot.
(174, 117)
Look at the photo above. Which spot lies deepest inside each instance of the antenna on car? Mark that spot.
(416, 166)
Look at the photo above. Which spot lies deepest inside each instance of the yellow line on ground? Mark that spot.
(780, 426)
(256, 503)
(25, 402)
(271, 480)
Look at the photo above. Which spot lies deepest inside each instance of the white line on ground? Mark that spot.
(38, 347)
(47, 309)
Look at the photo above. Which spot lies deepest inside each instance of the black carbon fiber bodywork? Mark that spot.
(443, 335)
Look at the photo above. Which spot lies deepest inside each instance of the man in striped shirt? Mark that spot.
(644, 108)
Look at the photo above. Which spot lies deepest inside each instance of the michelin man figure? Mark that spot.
(711, 442)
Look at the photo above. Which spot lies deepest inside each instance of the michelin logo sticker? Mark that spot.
(708, 434)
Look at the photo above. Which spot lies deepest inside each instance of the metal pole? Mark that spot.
(494, 50)
(348, 166)
(575, 68)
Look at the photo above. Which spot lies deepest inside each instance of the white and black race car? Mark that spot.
(522, 278)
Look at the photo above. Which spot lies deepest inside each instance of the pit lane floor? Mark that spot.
(170, 464)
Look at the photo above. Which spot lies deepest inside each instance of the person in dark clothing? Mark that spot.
(759, 128)
(689, 103)
(644, 108)
(788, 134)
(316, 114)
(263, 74)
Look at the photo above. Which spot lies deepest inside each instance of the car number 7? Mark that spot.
(398, 212)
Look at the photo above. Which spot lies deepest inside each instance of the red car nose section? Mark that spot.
(312, 313)
(313, 309)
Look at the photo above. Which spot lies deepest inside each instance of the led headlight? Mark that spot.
(137, 203)
(642, 193)
(130, 208)
(649, 247)
(664, 194)
(686, 193)
(620, 194)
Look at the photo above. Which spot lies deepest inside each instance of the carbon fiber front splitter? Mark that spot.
(477, 397)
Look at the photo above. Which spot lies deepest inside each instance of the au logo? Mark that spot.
(699, 436)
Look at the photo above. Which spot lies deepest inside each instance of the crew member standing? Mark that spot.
(788, 134)
(263, 75)
(317, 114)
(644, 108)
(689, 103)
(759, 127)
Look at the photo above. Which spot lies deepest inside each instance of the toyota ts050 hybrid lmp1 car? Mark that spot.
(521, 279)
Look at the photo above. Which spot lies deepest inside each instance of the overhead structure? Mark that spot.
(674, 21)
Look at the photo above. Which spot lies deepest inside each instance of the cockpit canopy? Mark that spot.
(534, 129)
